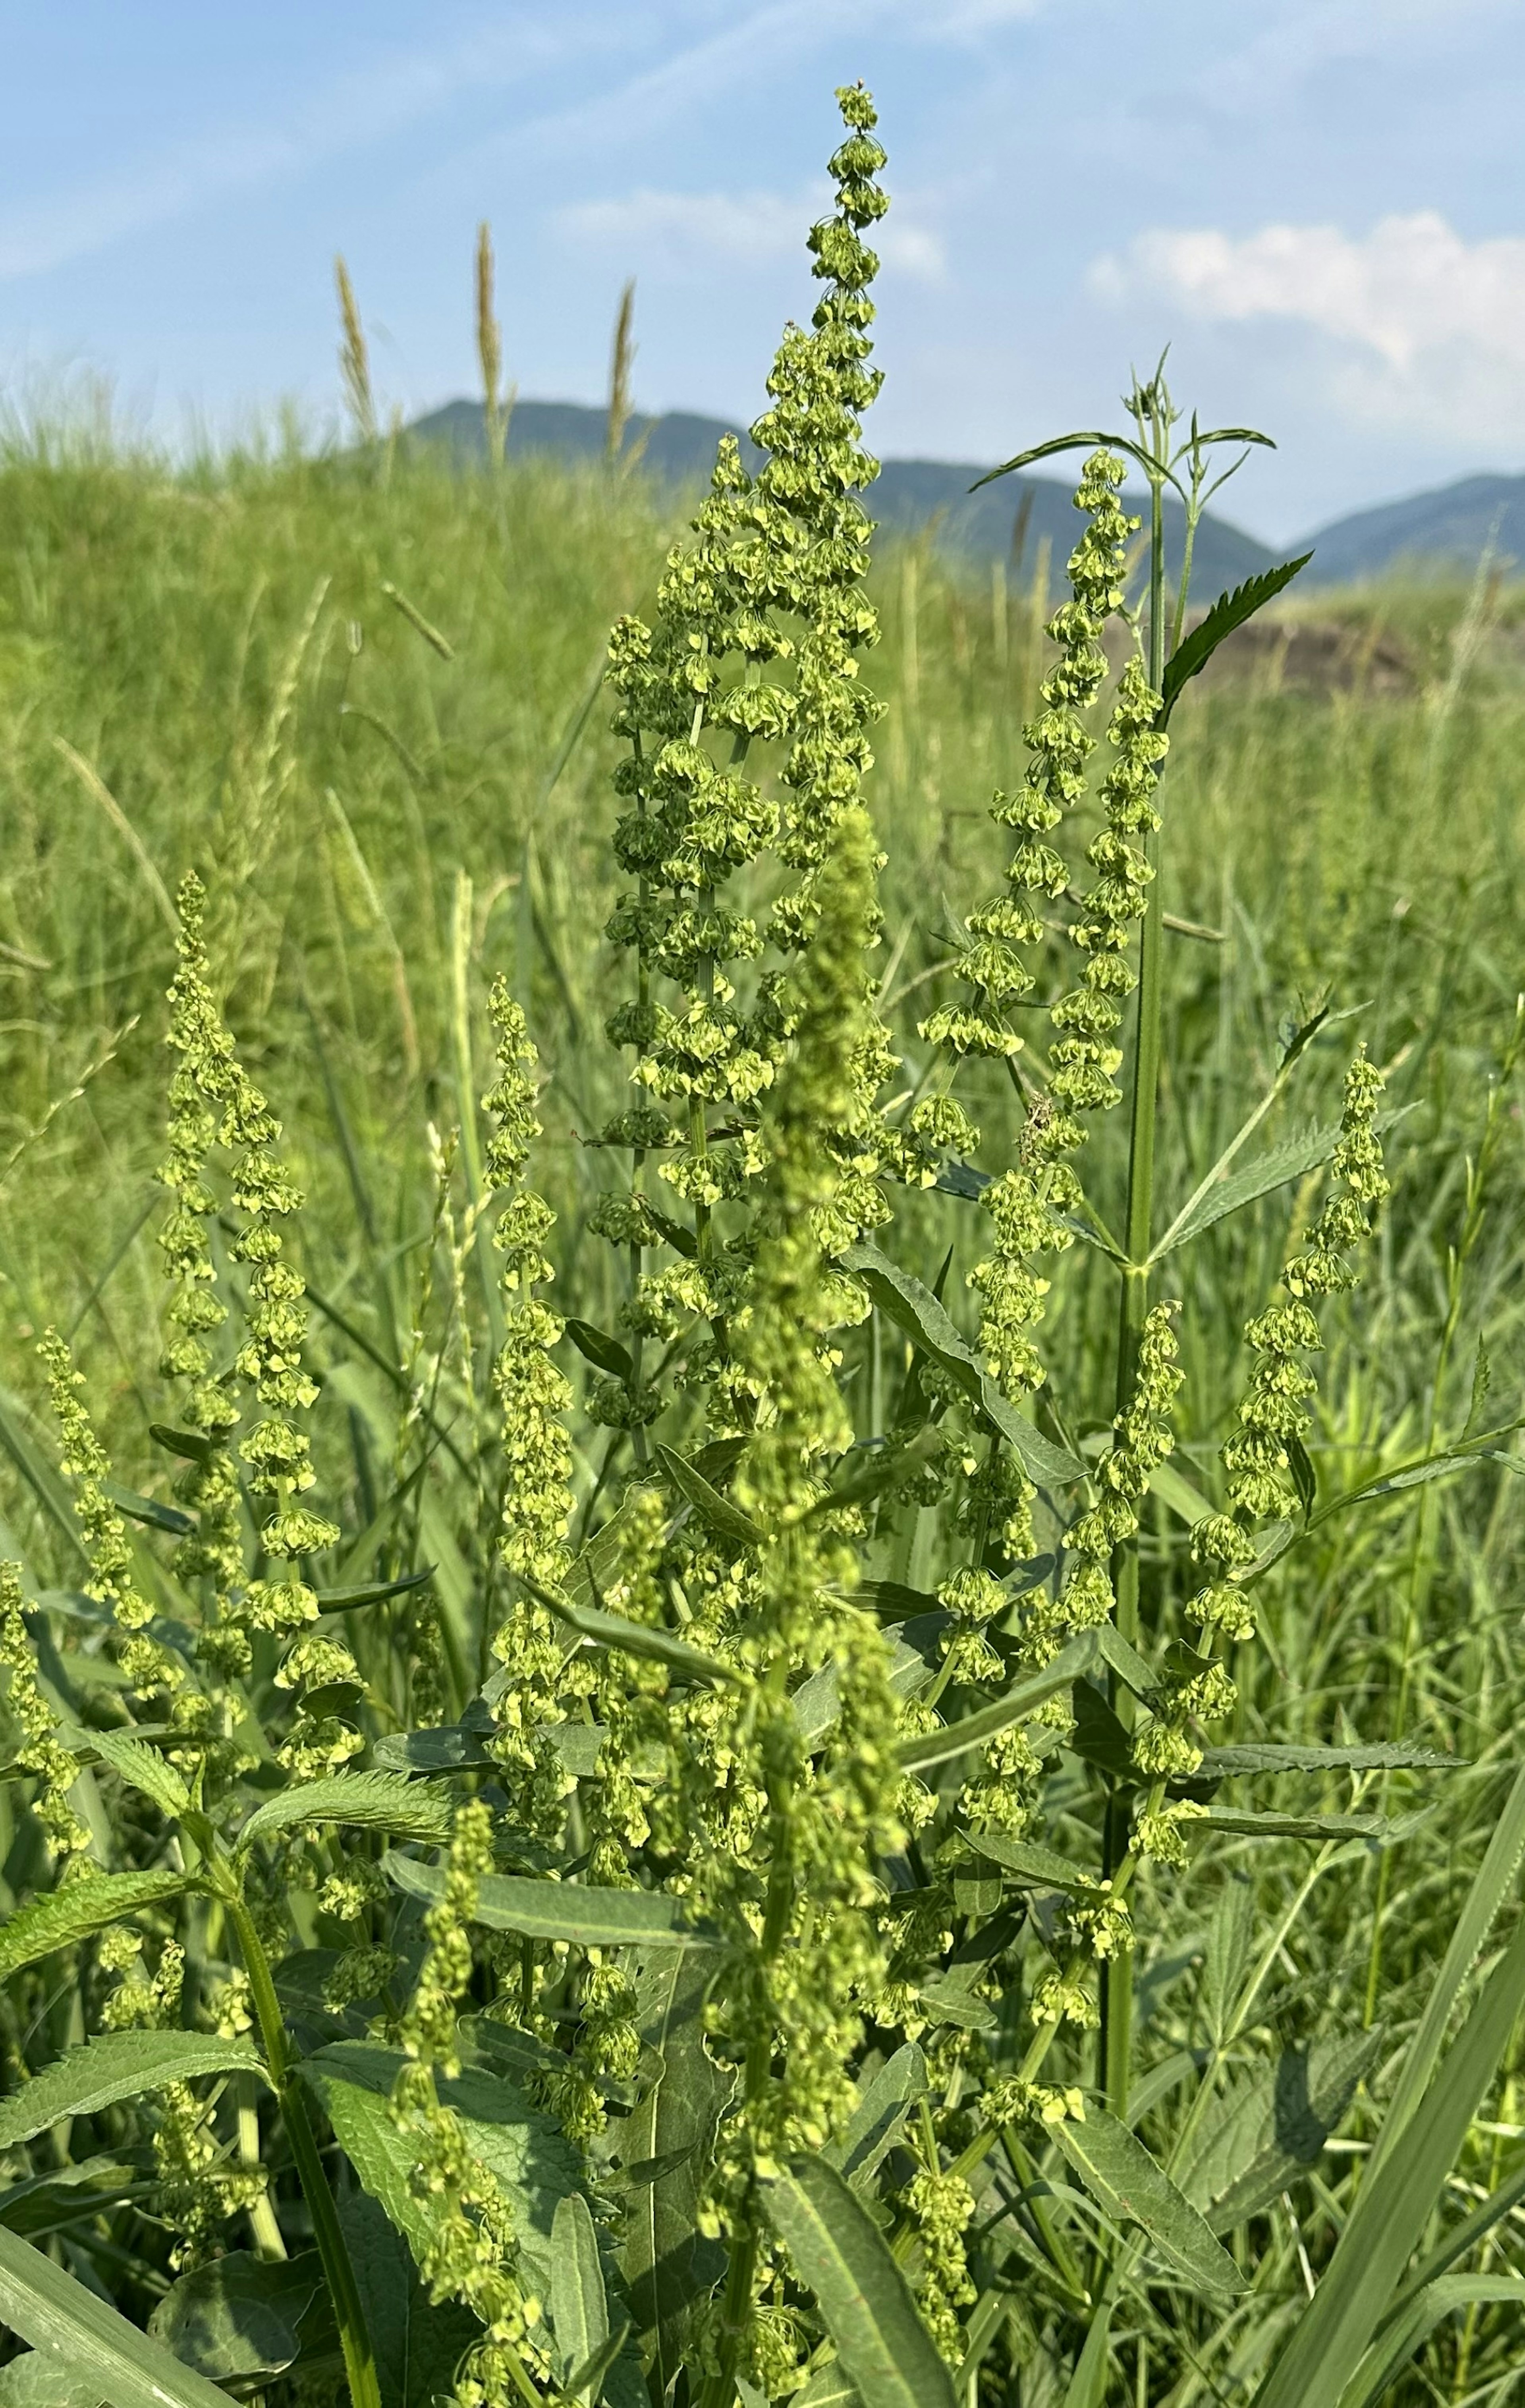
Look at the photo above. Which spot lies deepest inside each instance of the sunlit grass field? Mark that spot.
(365, 701)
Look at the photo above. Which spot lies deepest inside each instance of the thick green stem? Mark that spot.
(1117, 1985)
(359, 2363)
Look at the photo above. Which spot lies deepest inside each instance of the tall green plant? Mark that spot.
(784, 1733)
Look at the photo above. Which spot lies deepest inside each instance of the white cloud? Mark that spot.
(1429, 329)
(675, 232)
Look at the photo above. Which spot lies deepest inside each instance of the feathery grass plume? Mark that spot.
(354, 359)
(496, 408)
(42, 1754)
(622, 359)
(793, 2009)
(473, 2247)
(533, 1393)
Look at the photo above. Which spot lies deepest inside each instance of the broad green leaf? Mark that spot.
(1396, 2198)
(638, 1638)
(829, 2387)
(242, 2316)
(1228, 611)
(1098, 1736)
(1393, 1755)
(115, 2066)
(840, 2253)
(77, 1912)
(525, 2152)
(1491, 1886)
(1022, 1698)
(1275, 2126)
(916, 1311)
(64, 2321)
(368, 1802)
(547, 1910)
(590, 1575)
(579, 2303)
(605, 1354)
(416, 2343)
(134, 1761)
(665, 2149)
(817, 1703)
(1125, 2181)
(883, 2101)
(717, 1513)
(1132, 1669)
(35, 2380)
(1408, 2333)
(1030, 1865)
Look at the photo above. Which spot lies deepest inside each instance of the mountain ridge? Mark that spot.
(1444, 529)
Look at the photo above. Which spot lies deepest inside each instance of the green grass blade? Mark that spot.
(1395, 2203)
(1438, 2300)
(67, 2323)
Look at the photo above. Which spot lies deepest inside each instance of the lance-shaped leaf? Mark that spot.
(547, 1910)
(370, 1802)
(116, 2066)
(1228, 611)
(79, 1910)
(1225, 1190)
(660, 1646)
(349, 1600)
(1373, 1756)
(1267, 2130)
(1266, 1823)
(715, 1511)
(884, 2102)
(579, 2301)
(916, 1311)
(87, 2337)
(604, 1353)
(1128, 2184)
(1022, 1700)
(840, 2253)
(665, 2150)
(1030, 1866)
(132, 1761)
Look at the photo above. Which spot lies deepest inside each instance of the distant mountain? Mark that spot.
(1436, 533)
(912, 495)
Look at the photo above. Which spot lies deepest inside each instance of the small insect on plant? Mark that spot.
(735, 1873)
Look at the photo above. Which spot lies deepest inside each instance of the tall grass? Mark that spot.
(362, 696)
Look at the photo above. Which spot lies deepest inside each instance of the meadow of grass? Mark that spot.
(363, 698)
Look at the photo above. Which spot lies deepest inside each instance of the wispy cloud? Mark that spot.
(676, 232)
(383, 98)
(1430, 328)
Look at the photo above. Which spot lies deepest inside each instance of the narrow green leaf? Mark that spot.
(446, 1747)
(716, 1512)
(665, 2152)
(149, 1510)
(840, 2253)
(1125, 2181)
(605, 1354)
(817, 1701)
(368, 1802)
(1375, 1756)
(1170, 1485)
(883, 2101)
(1030, 1866)
(1228, 611)
(1022, 1700)
(916, 1311)
(62, 2320)
(1267, 1823)
(1098, 1736)
(637, 1638)
(115, 2066)
(579, 2303)
(1082, 441)
(1225, 1191)
(192, 1446)
(1396, 2201)
(589, 1576)
(547, 1910)
(81, 1908)
(349, 1600)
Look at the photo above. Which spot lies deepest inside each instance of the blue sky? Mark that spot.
(1318, 202)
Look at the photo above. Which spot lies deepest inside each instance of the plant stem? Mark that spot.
(359, 2363)
(1117, 1982)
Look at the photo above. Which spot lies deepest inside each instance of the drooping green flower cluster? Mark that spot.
(1273, 1417)
(473, 2246)
(1140, 1441)
(42, 1754)
(151, 1668)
